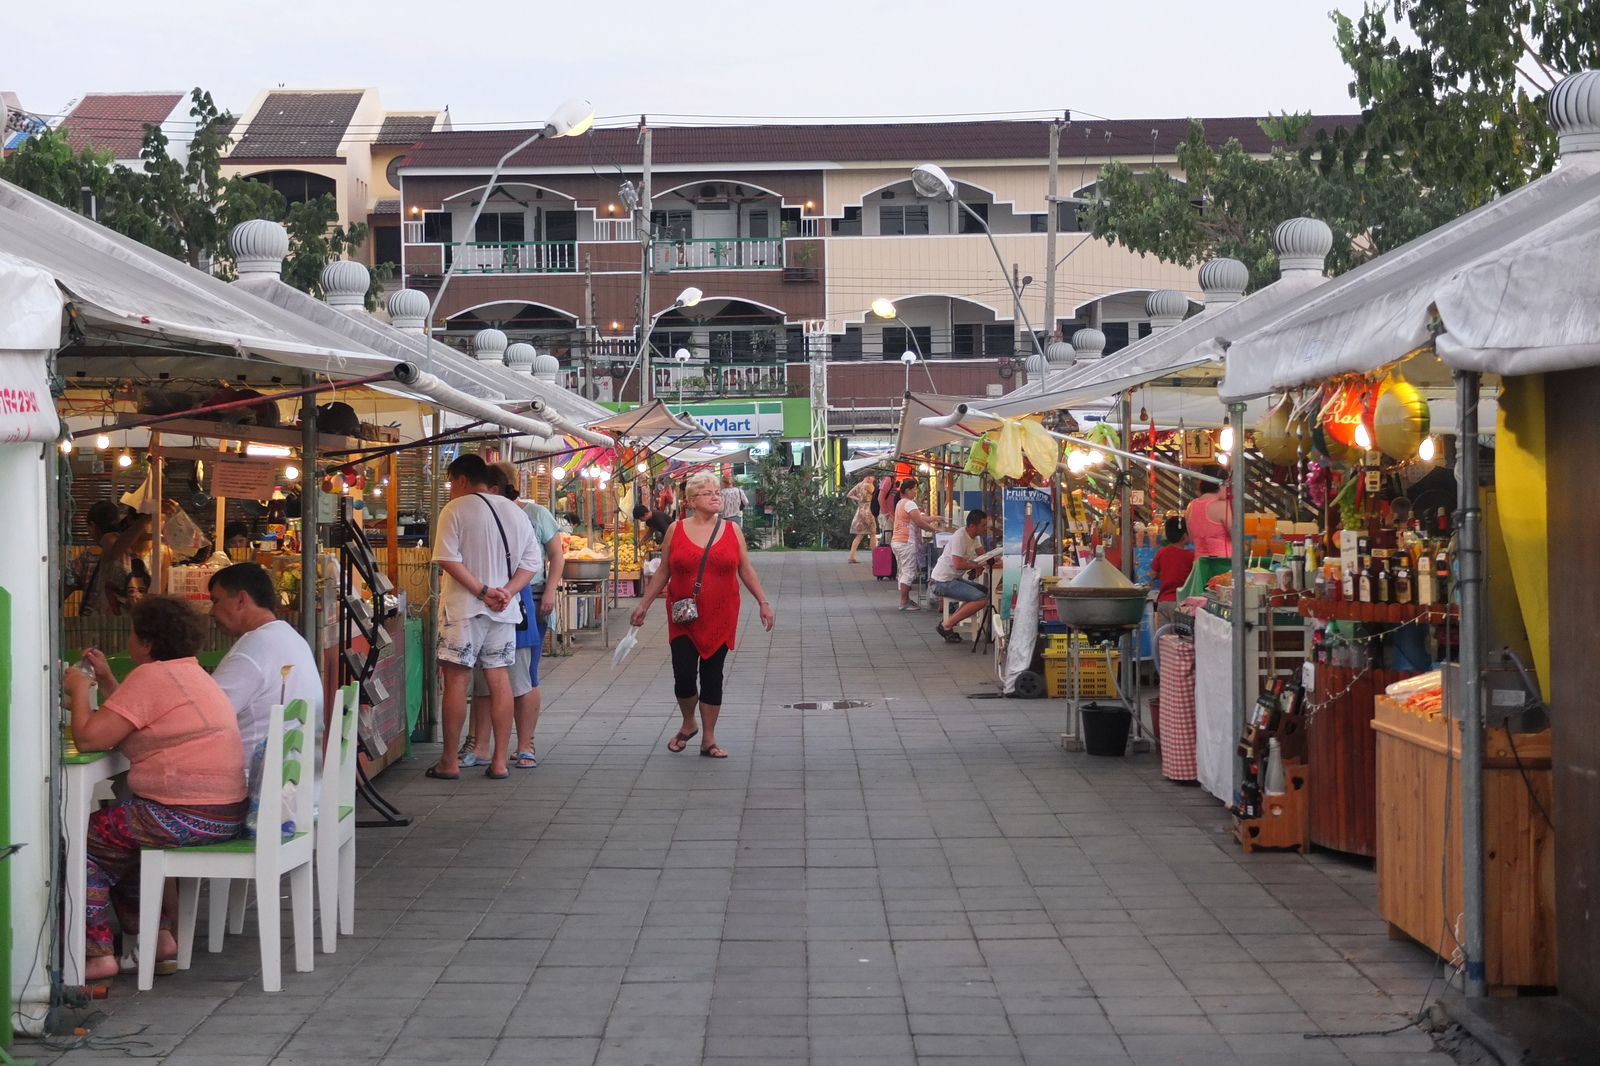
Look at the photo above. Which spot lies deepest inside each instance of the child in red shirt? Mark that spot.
(1171, 566)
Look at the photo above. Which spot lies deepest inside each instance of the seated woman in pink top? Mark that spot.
(181, 738)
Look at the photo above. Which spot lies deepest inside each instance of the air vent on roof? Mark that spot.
(712, 205)
(888, 194)
(708, 190)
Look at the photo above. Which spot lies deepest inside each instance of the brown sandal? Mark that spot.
(713, 752)
(682, 740)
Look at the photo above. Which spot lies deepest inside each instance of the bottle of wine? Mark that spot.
(1274, 784)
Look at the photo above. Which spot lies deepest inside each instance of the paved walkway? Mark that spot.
(927, 879)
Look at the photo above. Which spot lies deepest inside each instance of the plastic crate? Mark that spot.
(1094, 682)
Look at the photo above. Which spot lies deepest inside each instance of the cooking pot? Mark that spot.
(1100, 596)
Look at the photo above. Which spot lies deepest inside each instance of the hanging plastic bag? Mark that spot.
(982, 453)
(1042, 450)
(624, 646)
(1006, 462)
(180, 534)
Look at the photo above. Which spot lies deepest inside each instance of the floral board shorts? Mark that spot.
(476, 641)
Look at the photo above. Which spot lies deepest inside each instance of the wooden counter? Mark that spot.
(1341, 754)
(1415, 756)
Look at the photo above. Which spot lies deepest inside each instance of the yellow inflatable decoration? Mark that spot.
(1401, 419)
(1276, 438)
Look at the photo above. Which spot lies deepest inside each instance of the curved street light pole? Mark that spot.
(569, 120)
(932, 182)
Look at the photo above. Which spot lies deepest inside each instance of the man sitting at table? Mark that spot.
(252, 673)
(960, 555)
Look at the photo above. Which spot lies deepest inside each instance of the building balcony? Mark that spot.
(718, 253)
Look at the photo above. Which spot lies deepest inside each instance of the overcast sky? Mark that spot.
(498, 62)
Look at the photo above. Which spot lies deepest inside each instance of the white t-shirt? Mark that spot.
(467, 535)
(252, 676)
(961, 543)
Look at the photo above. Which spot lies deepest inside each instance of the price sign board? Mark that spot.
(243, 479)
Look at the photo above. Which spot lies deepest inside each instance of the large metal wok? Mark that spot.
(1100, 597)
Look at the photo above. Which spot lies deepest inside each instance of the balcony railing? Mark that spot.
(614, 229)
(500, 257)
(719, 253)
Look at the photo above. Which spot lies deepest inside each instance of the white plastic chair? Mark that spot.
(336, 822)
(263, 860)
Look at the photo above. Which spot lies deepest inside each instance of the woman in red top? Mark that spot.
(700, 647)
(1171, 566)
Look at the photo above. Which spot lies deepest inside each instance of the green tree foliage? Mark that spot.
(1460, 104)
(1229, 202)
(186, 209)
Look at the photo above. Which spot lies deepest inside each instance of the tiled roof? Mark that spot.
(405, 129)
(297, 125)
(386, 207)
(115, 121)
(909, 142)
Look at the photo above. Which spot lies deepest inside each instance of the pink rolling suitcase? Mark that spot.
(882, 561)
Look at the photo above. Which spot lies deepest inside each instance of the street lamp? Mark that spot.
(932, 183)
(569, 120)
(883, 308)
(682, 356)
(687, 298)
(909, 359)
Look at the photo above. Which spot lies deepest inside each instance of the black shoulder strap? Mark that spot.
(706, 554)
(504, 543)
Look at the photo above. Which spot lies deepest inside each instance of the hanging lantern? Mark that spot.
(1401, 418)
(1275, 436)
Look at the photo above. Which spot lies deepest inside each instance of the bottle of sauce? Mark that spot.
(1364, 583)
(1382, 580)
(1401, 581)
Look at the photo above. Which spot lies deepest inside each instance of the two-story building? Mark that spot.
(309, 142)
(792, 233)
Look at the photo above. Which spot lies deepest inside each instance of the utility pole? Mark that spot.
(586, 386)
(646, 264)
(1016, 309)
(1052, 222)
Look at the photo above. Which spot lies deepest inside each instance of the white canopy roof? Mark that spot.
(1159, 355)
(30, 329)
(1514, 285)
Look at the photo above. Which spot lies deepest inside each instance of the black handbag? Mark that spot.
(522, 610)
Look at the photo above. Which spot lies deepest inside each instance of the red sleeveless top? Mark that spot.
(719, 590)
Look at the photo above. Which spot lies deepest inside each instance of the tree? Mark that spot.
(1228, 203)
(1463, 107)
(46, 165)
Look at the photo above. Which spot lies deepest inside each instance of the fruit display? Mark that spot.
(577, 547)
(625, 549)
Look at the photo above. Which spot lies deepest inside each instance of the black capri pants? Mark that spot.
(686, 664)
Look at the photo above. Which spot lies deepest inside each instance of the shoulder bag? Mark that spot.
(687, 609)
(522, 610)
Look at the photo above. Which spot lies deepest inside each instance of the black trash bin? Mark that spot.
(1106, 728)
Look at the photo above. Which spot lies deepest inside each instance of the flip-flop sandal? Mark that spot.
(713, 752)
(488, 771)
(682, 740)
(526, 760)
(439, 775)
(468, 758)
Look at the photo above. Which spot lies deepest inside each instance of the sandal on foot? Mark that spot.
(682, 740)
(488, 771)
(526, 760)
(950, 636)
(439, 775)
(467, 745)
(910, 607)
(468, 758)
(713, 752)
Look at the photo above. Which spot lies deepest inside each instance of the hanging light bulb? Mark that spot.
(102, 442)
(377, 490)
(1077, 462)
(1223, 457)
(291, 472)
(1426, 450)
(66, 446)
(1096, 457)
(925, 468)
(125, 460)
(1363, 438)
(559, 473)
(1225, 438)
(642, 468)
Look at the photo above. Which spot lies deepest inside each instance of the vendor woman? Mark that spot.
(1210, 524)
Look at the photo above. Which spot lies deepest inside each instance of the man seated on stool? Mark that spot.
(959, 556)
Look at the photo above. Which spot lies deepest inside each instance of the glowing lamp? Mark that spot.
(125, 460)
(1426, 450)
(291, 473)
(102, 442)
(66, 446)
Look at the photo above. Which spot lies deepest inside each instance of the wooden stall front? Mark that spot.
(1419, 862)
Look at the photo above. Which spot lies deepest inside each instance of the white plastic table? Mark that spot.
(79, 775)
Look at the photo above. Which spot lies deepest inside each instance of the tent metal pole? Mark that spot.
(1241, 630)
(310, 488)
(1470, 578)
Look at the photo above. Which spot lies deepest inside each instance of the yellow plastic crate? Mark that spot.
(1094, 683)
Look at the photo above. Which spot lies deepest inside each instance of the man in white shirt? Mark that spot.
(959, 556)
(243, 602)
(485, 545)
